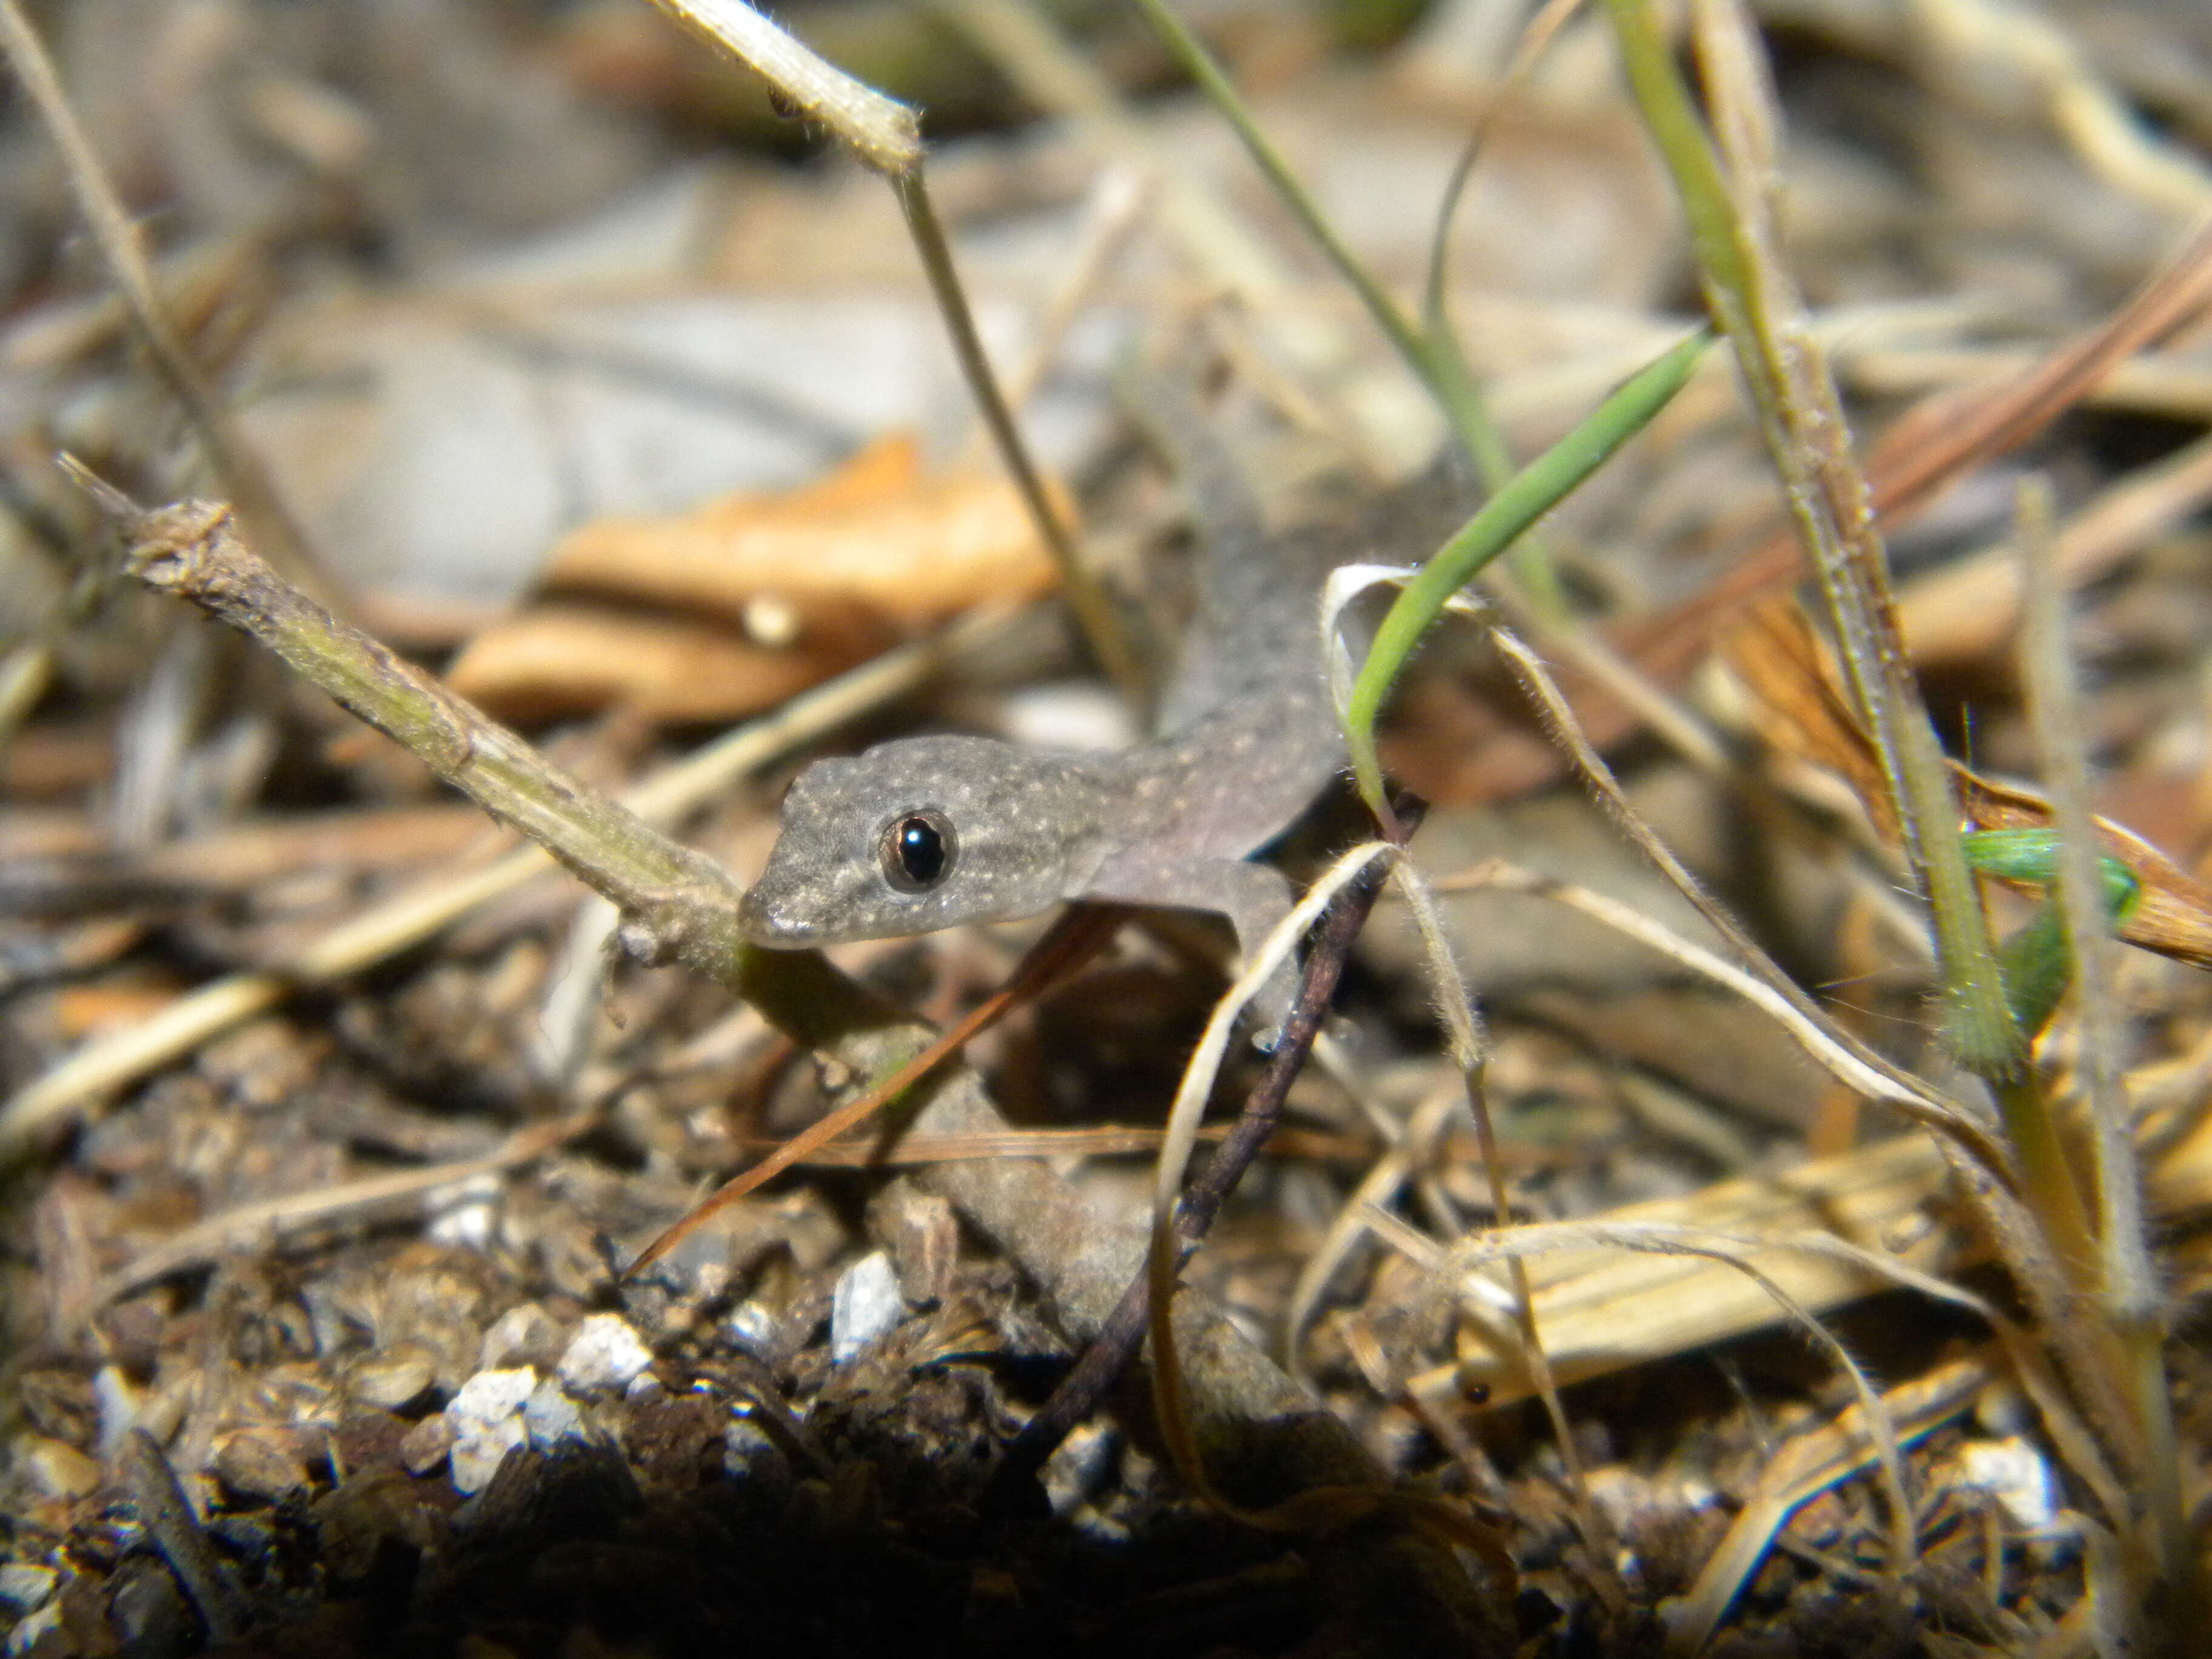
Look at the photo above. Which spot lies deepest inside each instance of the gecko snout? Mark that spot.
(763, 923)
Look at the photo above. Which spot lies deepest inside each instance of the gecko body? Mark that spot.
(928, 832)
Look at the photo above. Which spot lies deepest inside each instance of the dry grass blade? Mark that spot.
(1600, 1310)
(1942, 439)
(1351, 1222)
(1737, 1252)
(1980, 38)
(1901, 1089)
(1809, 1465)
(1606, 1304)
(1105, 1141)
(1823, 1041)
(263, 1224)
(1470, 1052)
(236, 464)
(1971, 608)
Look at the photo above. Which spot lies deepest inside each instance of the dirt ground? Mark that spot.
(549, 347)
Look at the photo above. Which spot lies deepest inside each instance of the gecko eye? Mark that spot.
(916, 850)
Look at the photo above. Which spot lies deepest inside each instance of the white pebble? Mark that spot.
(32, 1626)
(464, 1227)
(550, 1416)
(603, 1356)
(26, 1585)
(752, 1326)
(486, 1415)
(864, 1307)
(119, 1401)
(2014, 1473)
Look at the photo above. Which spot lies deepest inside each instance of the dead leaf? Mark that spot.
(1797, 707)
(878, 535)
(565, 660)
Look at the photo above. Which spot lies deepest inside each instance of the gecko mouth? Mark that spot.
(760, 921)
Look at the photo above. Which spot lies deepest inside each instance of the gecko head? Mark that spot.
(913, 835)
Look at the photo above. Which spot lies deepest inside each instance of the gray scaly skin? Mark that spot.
(924, 833)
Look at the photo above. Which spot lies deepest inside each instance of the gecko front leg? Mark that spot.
(1256, 897)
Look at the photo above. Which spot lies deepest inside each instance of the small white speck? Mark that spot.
(864, 1307)
(465, 1213)
(604, 1356)
(550, 1415)
(26, 1585)
(486, 1416)
(2014, 1473)
(752, 1326)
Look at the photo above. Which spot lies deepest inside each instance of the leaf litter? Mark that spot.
(316, 1313)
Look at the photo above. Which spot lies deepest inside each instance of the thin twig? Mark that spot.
(400, 923)
(884, 134)
(266, 1220)
(1078, 935)
(882, 131)
(1110, 1352)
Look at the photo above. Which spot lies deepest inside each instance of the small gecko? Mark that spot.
(928, 832)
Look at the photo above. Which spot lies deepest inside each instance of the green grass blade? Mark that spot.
(1430, 353)
(1526, 497)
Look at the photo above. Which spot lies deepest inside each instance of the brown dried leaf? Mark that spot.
(876, 534)
(559, 659)
(1798, 708)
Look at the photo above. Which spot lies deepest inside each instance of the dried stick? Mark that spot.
(409, 918)
(1083, 1389)
(678, 904)
(266, 1219)
(883, 134)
